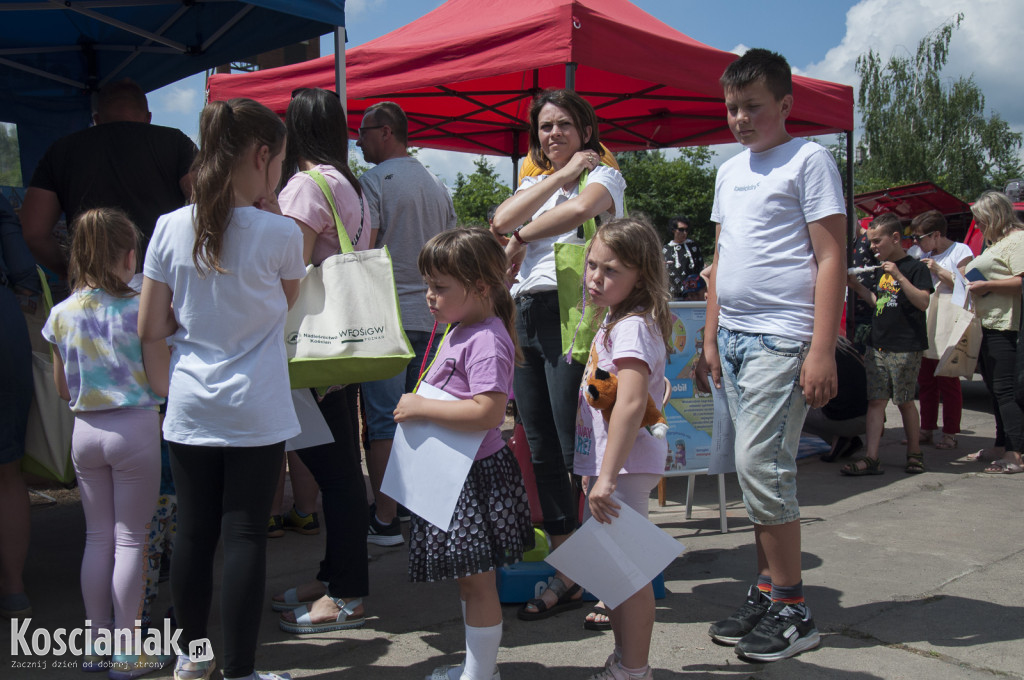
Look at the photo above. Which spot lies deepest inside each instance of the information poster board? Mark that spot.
(690, 415)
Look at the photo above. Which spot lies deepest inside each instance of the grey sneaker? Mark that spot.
(731, 630)
(785, 631)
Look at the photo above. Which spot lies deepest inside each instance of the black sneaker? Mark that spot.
(403, 513)
(729, 631)
(384, 534)
(785, 631)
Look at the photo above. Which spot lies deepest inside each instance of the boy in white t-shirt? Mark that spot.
(770, 335)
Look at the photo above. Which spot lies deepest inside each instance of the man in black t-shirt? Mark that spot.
(123, 162)
(898, 338)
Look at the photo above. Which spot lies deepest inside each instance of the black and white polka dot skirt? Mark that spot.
(491, 525)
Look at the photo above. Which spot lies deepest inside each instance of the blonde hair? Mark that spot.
(227, 131)
(470, 256)
(100, 238)
(635, 242)
(994, 213)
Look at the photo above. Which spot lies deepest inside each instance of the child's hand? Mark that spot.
(602, 506)
(818, 378)
(409, 408)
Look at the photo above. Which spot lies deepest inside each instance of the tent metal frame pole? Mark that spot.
(851, 233)
(570, 76)
(339, 63)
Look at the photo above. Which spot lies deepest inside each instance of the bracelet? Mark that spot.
(516, 236)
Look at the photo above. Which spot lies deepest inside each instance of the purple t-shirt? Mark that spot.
(631, 338)
(473, 360)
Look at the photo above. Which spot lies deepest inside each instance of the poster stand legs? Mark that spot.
(690, 484)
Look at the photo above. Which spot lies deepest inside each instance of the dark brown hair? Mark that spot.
(759, 64)
(637, 245)
(927, 222)
(318, 133)
(101, 237)
(889, 222)
(581, 112)
(471, 255)
(227, 131)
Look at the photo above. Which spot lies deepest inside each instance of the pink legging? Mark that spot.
(930, 389)
(117, 459)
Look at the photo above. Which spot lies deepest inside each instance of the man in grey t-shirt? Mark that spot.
(408, 206)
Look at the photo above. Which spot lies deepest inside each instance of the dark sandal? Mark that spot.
(591, 622)
(566, 601)
(854, 468)
(915, 463)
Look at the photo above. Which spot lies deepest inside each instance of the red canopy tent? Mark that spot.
(465, 74)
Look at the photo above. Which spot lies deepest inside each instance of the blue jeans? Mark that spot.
(547, 396)
(380, 397)
(761, 376)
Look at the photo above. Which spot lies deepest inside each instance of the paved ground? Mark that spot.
(914, 577)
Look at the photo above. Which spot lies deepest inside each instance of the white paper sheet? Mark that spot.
(429, 464)
(723, 435)
(959, 289)
(614, 561)
(315, 430)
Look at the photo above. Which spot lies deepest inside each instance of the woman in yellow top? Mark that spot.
(995, 285)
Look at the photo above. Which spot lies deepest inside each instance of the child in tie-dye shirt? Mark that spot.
(116, 443)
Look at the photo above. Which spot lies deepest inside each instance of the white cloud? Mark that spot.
(358, 7)
(988, 45)
(177, 99)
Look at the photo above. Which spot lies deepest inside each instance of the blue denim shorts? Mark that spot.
(380, 397)
(761, 376)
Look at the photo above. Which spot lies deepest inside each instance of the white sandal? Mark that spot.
(441, 672)
(291, 600)
(303, 624)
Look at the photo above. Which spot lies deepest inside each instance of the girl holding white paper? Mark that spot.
(465, 274)
(621, 462)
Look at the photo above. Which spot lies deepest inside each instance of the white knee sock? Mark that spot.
(481, 652)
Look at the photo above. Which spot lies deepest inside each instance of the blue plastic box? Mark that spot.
(526, 580)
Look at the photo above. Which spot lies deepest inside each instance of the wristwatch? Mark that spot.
(516, 236)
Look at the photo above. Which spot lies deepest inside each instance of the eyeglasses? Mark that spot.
(369, 127)
(682, 228)
(921, 237)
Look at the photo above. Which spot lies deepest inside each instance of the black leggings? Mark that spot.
(998, 359)
(337, 469)
(223, 492)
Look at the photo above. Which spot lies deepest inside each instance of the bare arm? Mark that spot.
(39, 213)
(623, 424)
(156, 317)
(482, 412)
(915, 296)
(156, 358)
(862, 291)
(1009, 286)
(522, 205)
(291, 290)
(709, 359)
(818, 373)
(59, 377)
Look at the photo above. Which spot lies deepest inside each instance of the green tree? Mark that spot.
(476, 194)
(920, 125)
(10, 156)
(660, 188)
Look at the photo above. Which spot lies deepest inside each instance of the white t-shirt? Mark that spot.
(408, 206)
(766, 266)
(537, 273)
(948, 260)
(303, 200)
(229, 374)
(634, 337)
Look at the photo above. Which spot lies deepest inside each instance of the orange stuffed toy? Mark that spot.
(600, 392)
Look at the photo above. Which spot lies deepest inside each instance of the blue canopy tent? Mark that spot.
(55, 53)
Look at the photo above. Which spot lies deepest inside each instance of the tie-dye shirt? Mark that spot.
(98, 339)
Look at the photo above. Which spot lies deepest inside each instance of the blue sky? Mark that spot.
(819, 38)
